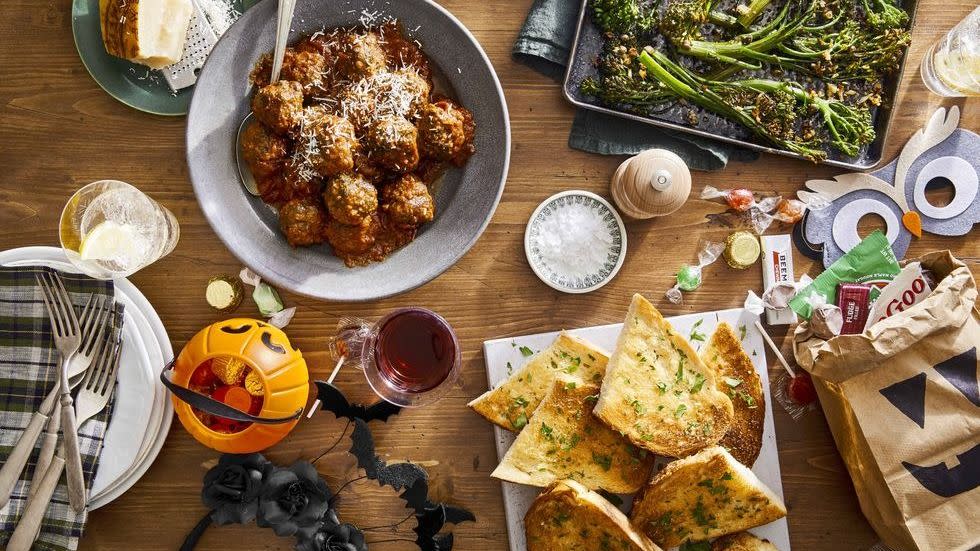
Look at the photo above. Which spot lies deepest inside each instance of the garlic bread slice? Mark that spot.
(563, 440)
(736, 376)
(703, 496)
(657, 392)
(570, 517)
(511, 404)
(742, 541)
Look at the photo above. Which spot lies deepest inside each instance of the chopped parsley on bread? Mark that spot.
(703, 496)
(563, 440)
(657, 392)
(511, 404)
(570, 517)
(742, 541)
(736, 377)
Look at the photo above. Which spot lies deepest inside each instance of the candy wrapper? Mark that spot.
(795, 394)
(871, 261)
(267, 299)
(689, 277)
(787, 211)
(910, 287)
(740, 200)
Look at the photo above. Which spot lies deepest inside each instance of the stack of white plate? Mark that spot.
(142, 412)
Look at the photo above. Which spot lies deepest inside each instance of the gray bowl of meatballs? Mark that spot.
(379, 156)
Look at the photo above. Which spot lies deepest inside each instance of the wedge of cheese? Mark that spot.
(736, 376)
(563, 440)
(742, 541)
(511, 404)
(148, 32)
(703, 496)
(657, 391)
(570, 517)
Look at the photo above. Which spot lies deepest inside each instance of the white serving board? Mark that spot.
(499, 352)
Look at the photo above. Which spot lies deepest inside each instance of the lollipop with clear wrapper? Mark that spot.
(689, 276)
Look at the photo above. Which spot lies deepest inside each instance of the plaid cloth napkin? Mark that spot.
(28, 369)
(544, 44)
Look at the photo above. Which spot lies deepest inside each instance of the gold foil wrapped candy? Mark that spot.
(253, 384)
(229, 370)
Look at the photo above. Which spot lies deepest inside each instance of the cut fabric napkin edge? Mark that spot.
(27, 374)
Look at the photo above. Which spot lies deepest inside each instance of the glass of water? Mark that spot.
(951, 67)
(109, 229)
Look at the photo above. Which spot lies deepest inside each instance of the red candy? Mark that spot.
(801, 389)
(740, 199)
(203, 376)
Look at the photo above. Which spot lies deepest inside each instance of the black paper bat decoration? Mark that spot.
(430, 517)
(333, 400)
(431, 521)
(399, 476)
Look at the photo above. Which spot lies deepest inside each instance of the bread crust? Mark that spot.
(657, 392)
(737, 377)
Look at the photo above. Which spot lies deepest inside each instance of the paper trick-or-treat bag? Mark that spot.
(903, 402)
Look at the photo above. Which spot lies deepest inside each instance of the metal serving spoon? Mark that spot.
(284, 19)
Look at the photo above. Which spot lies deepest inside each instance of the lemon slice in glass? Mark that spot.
(112, 242)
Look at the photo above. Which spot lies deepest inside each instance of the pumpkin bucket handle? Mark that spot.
(214, 407)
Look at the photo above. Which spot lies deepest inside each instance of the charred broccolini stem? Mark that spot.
(623, 16)
(798, 40)
(748, 14)
(769, 108)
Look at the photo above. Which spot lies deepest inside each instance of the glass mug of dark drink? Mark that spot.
(410, 357)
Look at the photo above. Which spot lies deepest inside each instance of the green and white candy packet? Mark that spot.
(871, 261)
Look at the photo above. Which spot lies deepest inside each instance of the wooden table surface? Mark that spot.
(58, 131)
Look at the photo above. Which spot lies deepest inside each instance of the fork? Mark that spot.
(12, 468)
(67, 339)
(98, 383)
(93, 321)
(92, 398)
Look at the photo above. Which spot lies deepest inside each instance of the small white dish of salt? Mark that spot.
(575, 241)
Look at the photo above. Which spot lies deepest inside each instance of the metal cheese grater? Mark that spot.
(200, 39)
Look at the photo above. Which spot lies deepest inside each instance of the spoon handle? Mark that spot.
(284, 19)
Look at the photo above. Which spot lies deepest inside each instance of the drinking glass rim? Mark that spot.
(367, 354)
(64, 209)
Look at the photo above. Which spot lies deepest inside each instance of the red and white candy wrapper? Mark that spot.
(910, 287)
(795, 394)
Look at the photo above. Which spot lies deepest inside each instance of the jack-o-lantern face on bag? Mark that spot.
(911, 397)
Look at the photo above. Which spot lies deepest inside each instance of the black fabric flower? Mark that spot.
(293, 499)
(333, 536)
(231, 488)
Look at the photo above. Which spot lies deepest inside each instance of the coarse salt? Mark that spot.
(574, 241)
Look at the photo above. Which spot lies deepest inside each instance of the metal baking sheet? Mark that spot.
(588, 46)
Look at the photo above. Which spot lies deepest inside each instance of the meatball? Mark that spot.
(408, 83)
(326, 141)
(391, 142)
(442, 131)
(353, 239)
(295, 180)
(407, 202)
(350, 199)
(279, 106)
(306, 68)
(303, 222)
(263, 151)
(358, 55)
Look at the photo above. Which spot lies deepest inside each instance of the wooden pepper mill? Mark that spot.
(654, 183)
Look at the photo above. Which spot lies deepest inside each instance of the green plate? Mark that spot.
(135, 85)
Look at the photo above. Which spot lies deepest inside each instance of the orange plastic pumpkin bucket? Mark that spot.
(266, 352)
